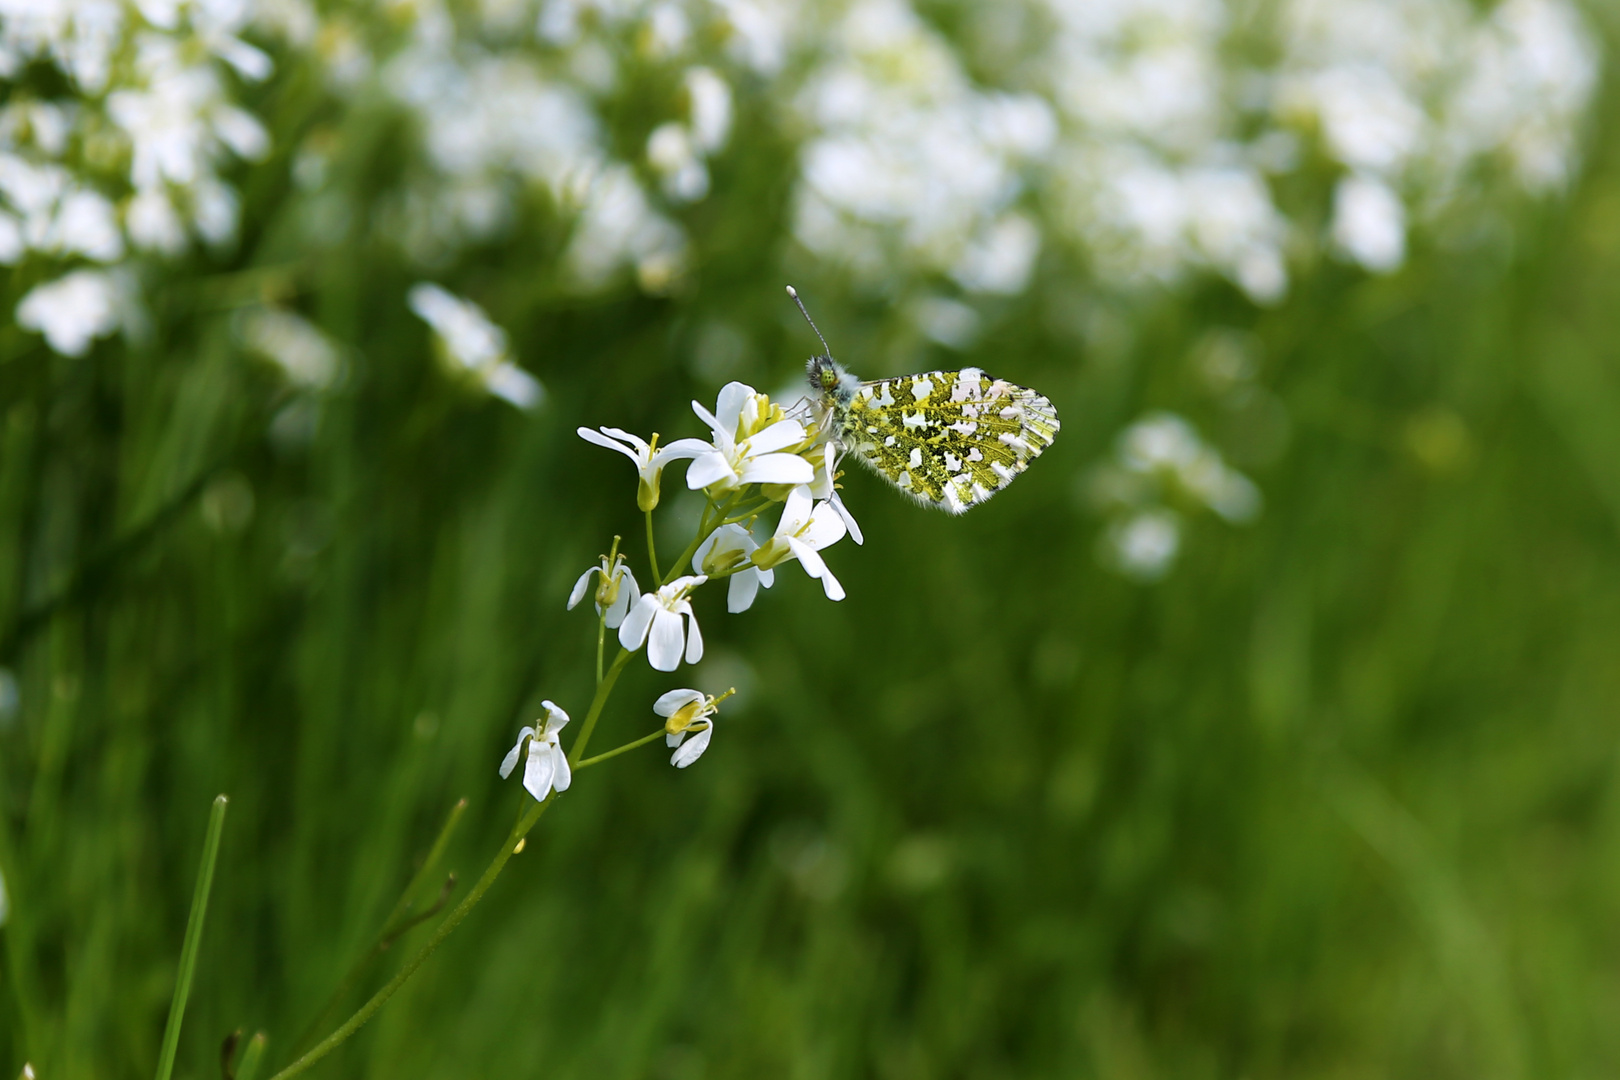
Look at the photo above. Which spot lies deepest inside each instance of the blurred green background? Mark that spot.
(1332, 795)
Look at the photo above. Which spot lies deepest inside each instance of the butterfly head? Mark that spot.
(830, 381)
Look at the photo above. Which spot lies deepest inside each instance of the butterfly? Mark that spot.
(950, 439)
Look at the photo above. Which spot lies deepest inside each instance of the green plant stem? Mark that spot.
(652, 551)
(601, 636)
(392, 928)
(588, 762)
(194, 929)
(451, 921)
(603, 690)
(705, 527)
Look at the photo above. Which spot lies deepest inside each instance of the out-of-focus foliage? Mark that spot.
(1263, 729)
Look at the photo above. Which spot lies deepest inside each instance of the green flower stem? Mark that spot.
(603, 690)
(705, 528)
(395, 925)
(451, 921)
(652, 551)
(194, 929)
(588, 762)
(601, 636)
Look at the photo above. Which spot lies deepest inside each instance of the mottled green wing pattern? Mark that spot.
(948, 438)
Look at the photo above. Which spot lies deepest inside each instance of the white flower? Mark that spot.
(688, 712)
(746, 444)
(657, 616)
(825, 460)
(547, 765)
(616, 590)
(475, 343)
(648, 459)
(73, 311)
(803, 531)
(726, 549)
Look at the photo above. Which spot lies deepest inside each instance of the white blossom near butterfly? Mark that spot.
(616, 590)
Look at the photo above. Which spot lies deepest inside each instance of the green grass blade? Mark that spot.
(194, 929)
(252, 1057)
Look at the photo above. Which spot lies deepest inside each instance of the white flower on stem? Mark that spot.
(805, 529)
(547, 765)
(747, 444)
(824, 458)
(616, 590)
(656, 620)
(726, 550)
(688, 712)
(648, 459)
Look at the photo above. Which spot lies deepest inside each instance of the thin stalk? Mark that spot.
(705, 527)
(194, 929)
(652, 551)
(451, 921)
(601, 636)
(588, 762)
(392, 928)
(603, 689)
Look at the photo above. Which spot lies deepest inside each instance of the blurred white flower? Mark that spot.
(305, 356)
(752, 456)
(1145, 544)
(656, 620)
(1161, 460)
(688, 712)
(648, 458)
(804, 529)
(728, 550)
(474, 343)
(709, 106)
(74, 310)
(1369, 223)
(616, 590)
(546, 767)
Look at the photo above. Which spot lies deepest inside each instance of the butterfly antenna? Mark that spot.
(794, 293)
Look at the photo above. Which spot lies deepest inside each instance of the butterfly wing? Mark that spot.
(948, 438)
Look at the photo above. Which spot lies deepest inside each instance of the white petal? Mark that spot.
(781, 434)
(541, 767)
(579, 587)
(776, 469)
(825, 528)
(681, 448)
(742, 590)
(510, 760)
(641, 445)
(602, 440)
(670, 703)
(709, 469)
(849, 519)
(795, 512)
(675, 739)
(629, 594)
(728, 409)
(830, 584)
(633, 631)
(724, 437)
(693, 748)
(812, 562)
(664, 644)
(694, 639)
(767, 578)
(556, 719)
(563, 774)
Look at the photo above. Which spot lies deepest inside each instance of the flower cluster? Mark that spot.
(759, 461)
(1161, 469)
(128, 161)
